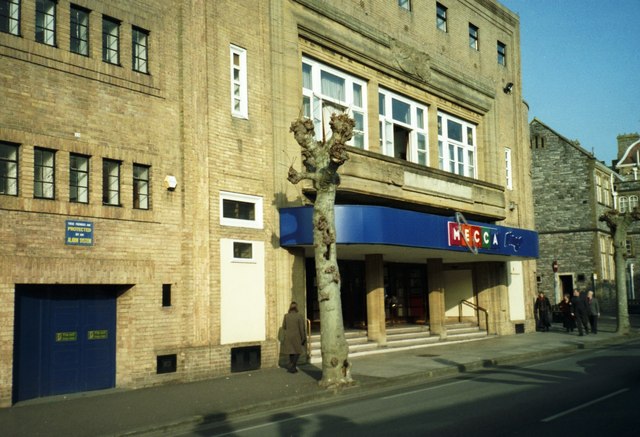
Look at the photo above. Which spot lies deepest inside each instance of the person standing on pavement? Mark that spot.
(295, 336)
(580, 309)
(594, 311)
(542, 310)
(568, 321)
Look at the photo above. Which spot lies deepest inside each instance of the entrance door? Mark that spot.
(64, 340)
(406, 288)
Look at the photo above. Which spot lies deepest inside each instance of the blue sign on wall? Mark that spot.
(78, 233)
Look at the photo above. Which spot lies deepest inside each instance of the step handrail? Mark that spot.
(477, 309)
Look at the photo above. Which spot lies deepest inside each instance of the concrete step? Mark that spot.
(401, 338)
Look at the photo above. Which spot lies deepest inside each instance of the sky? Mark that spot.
(581, 68)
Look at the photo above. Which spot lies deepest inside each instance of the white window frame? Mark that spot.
(44, 173)
(457, 162)
(508, 168)
(633, 202)
(318, 106)
(622, 203)
(418, 146)
(257, 202)
(238, 78)
(599, 188)
(9, 169)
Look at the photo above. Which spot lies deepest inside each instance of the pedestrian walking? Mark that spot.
(542, 310)
(568, 322)
(580, 309)
(594, 311)
(295, 338)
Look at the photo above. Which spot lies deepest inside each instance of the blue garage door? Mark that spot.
(64, 340)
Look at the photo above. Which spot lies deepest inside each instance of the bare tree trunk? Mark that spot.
(334, 347)
(619, 225)
(321, 160)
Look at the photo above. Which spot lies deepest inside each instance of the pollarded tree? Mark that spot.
(320, 161)
(619, 224)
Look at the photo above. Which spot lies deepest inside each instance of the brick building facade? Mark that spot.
(144, 148)
(571, 190)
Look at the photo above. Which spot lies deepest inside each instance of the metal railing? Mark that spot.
(477, 309)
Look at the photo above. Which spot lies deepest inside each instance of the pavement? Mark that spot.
(159, 410)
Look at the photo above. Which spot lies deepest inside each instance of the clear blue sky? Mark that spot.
(581, 68)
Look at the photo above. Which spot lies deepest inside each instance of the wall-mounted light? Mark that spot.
(170, 183)
(508, 88)
(512, 205)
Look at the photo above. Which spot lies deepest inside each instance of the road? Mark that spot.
(594, 392)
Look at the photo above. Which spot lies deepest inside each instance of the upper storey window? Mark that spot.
(405, 4)
(10, 16)
(502, 53)
(403, 132)
(79, 37)
(8, 169)
(139, 49)
(46, 22)
(239, 86)
(441, 17)
(456, 145)
(110, 40)
(326, 90)
(473, 37)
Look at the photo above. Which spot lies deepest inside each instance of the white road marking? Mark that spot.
(579, 407)
(424, 389)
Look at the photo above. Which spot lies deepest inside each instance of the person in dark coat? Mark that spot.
(594, 311)
(568, 321)
(542, 310)
(295, 336)
(580, 309)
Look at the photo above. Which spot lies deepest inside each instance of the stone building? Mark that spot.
(149, 232)
(571, 190)
(628, 191)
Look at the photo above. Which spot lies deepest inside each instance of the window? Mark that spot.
(79, 38)
(405, 4)
(110, 40)
(239, 102)
(606, 192)
(441, 17)
(8, 169)
(456, 145)
(403, 128)
(139, 49)
(326, 91)
(46, 22)
(599, 188)
(44, 173)
(633, 203)
(78, 178)
(508, 169)
(242, 251)
(623, 204)
(140, 186)
(166, 295)
(10, 16)
(473, 37)
(240, 210)
(502, 54)
(606, 257)
(111, 182)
